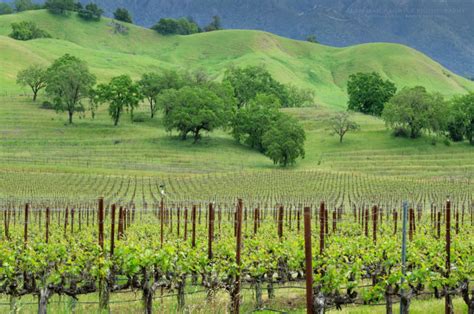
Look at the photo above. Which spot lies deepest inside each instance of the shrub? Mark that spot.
(27, 30)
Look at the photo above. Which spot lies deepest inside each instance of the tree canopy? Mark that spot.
(35, 77)
(341, 123)
(59, 6)
(68, 83)
(250, 123)
(215, 24)
(122, 14)
(461, 119)
(284, 141)
(27, 30)
(414, 110)
(252, 80)
(194, 109)
(182, 26)
(5, 8)
(122, 94)
(91, 12)
(368, 93)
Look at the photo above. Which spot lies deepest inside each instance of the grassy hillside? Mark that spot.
(322, 68)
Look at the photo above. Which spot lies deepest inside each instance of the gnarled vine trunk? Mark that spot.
(43, 297)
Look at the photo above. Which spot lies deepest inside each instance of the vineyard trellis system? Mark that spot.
(347, 251)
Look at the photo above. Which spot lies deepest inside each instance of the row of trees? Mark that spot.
(412, 111)
(90, 11)
(191, 103)
(185, 26)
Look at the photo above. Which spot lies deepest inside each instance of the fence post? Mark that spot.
(309, 261)
(101, 223)
(280, 222)
(210, 231)
(321, 228)
(25, 235)
(448, 300)
(404, 252)
(112, 230)
(193, 218)
(47, 224)
(236, 292)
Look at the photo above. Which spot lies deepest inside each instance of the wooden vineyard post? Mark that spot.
(72, 220)
(403, 299)
(210, 231)
(255, 220)
(47, 224)
(25, 232)
(66, 217)
(236, 291)
(309, 261)
(457, 220)
(178, 213)
(162, 217)
(185, 223)
(193, 234)
(374, 221)
(321, 228)
(334, 221)
(112, 230)
(395, 221)
(6, 216)
(120, 224)
(439, 225)
(366, 218)
(100, 216)
(299, 218)
(280, 222)
(448, 300)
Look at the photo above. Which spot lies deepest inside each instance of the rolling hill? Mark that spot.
(322, 68)
(442, 29)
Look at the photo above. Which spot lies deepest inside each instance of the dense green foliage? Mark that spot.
(251, 122)
(91, 12)
(414, 110)
(284, 141)
(60, 6)
(27, 31)
(182, 26)
(34, 77)
(461, 121)
(122, 14)
(368, 92)
(5, 8)
(122, 94)
(194, 109)
(23, 5)
(68, 83)
(215, 24)
(252, 80)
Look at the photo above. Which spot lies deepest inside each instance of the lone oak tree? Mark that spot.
(35, 77)
(341, 124)
(68, 82)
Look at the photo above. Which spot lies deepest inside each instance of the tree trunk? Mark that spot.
(340, 138)
(70, 116)
(270, 290)
(388, 302)
(13, 305)
(152, 109)
(116, 121)
(181, 295)
(147, 300)
(43, 297)
(104, 296)
(405, 301)
(258, 294)
(35, 94)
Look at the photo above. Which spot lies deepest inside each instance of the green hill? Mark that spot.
(322, 68)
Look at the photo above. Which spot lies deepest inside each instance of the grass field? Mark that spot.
(322, 68)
